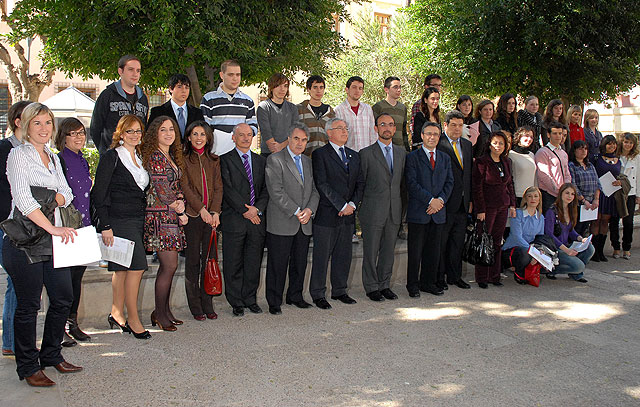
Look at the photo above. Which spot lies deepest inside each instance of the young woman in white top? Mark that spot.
(630, 160)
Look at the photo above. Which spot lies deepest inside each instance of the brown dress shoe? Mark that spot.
(66, 367)
(39, 379)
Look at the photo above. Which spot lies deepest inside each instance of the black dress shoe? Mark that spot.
(275, 310)
(344, 298)
(414, 293)
(255, 308)
(498, 284)
(388, 294)
(435, 291)
(582, 280)
(442, 285)
(299, 304)
(238, 311)
(322, 303)
(375, 296)
(68, 341)
(462, 284)
(483, 285)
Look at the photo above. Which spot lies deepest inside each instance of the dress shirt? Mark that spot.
(428, 152)
(248, 153)
(293, 157)
(14, 140)
(552, 171)
(138, 172)
(337, 150)
(175, 107)
(361, 131)
(384, 151)
(524, 229)
(26, 169)
(585, 180)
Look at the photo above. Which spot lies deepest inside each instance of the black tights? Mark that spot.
(164, 278)
(76, 280)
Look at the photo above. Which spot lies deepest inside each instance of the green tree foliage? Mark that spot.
(88, 37)
(374, 56)
(580, 50)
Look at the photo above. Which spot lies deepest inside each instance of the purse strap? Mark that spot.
(214, 239)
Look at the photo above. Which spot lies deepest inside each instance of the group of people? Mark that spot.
(169, 182)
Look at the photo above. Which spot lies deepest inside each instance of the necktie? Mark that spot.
(344, 157)
(387, 156)
(455, 149)
(432, 161)
(181, 121)
(247, 168)
(299, 165)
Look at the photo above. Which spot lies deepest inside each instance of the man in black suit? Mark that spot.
(336, 172)
(177, 108)
(242, 220)
(459, 204)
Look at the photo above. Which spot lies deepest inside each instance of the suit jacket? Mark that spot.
(193, 114)
(381, 197)
(336, 184)
(424, 183)
(490, 190)
(288, 192)
(461, 193)
(237, 191)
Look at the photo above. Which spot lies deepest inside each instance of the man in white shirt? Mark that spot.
(358, 116)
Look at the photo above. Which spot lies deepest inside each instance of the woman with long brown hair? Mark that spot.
(554, 113)
(486, 127)
(506, 114)
(165, 212)
(429, 112)
(559, 223)
(118, 197)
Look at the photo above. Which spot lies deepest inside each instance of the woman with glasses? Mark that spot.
(119, 201)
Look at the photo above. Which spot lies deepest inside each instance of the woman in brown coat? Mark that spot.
(202, 187)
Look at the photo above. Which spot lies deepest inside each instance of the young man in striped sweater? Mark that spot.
(315, 114)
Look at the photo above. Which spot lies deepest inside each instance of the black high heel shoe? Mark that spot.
(112, 321)
(141, 335)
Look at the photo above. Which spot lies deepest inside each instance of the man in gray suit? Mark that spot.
(382, 165)
(292, 204)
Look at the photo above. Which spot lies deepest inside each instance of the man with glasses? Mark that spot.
(120, 98)
(392, 106)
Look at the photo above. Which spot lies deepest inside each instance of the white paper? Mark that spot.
(588, 214)
(121, 252)
(83, 250)
(606, 180)
(544, 260)
(222, 142)
(581, 246)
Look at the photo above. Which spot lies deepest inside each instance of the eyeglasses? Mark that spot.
(383, 125)
(131, 131)
(397, 87)
(341, 128)
(431, 134)
(79, 133)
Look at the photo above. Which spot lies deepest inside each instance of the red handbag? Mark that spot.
(212, 277)
(532, 274)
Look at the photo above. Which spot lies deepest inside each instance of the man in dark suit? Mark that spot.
(429, 182)
(177, 108)
(293, 200)
(242, 221)
(458, 206)
(382, 167)
(336, 172)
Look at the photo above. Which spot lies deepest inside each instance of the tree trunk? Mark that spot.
(195, 96)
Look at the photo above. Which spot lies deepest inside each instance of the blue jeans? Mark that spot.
(574, 265)
(10, 303)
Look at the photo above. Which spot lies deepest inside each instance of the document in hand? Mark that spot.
(588, 214)
(83, 250)
(544, 260)
(606, 180)
(121, 252)
(581, 246)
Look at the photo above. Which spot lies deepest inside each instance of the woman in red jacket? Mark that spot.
(574, 115)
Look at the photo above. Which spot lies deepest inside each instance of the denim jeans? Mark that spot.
(9, 309)
(574, 265)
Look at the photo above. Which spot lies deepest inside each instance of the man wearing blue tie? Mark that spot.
(177, 107)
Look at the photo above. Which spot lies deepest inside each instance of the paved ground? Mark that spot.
(562, 344)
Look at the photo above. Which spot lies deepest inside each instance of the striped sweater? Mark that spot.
(317, 134)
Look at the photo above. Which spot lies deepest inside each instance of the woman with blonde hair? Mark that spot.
(119, 200)
(592, 135)
(574, 117)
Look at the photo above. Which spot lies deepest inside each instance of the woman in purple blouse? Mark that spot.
(70, 140)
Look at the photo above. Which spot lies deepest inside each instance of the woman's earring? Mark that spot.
(139, 142)
(121, 142)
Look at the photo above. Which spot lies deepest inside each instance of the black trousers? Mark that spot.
(517, 257)
(423, 256)
(241, 260)
(76, 282)
(547, 201)
(627, 227)
(452, 244)
(286, 252)
(197, 233)
(28, 280)
(334, 243)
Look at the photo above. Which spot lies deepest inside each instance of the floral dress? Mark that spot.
(161, 229)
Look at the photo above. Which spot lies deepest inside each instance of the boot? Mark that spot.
(603, 240)
(74, 330)
(68, 341)
(595, 241)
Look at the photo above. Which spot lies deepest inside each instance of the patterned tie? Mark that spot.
(299, 165)
(432, 161)
(247, 168)
(455, 149)
(387, 156)
(344, 157)
(181, 121)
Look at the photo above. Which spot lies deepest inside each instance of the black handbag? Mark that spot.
(478, 246)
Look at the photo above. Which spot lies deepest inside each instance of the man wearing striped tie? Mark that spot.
(242, 220)
(459, 204)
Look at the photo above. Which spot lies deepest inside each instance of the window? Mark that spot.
(5, 102)
(384, 21)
